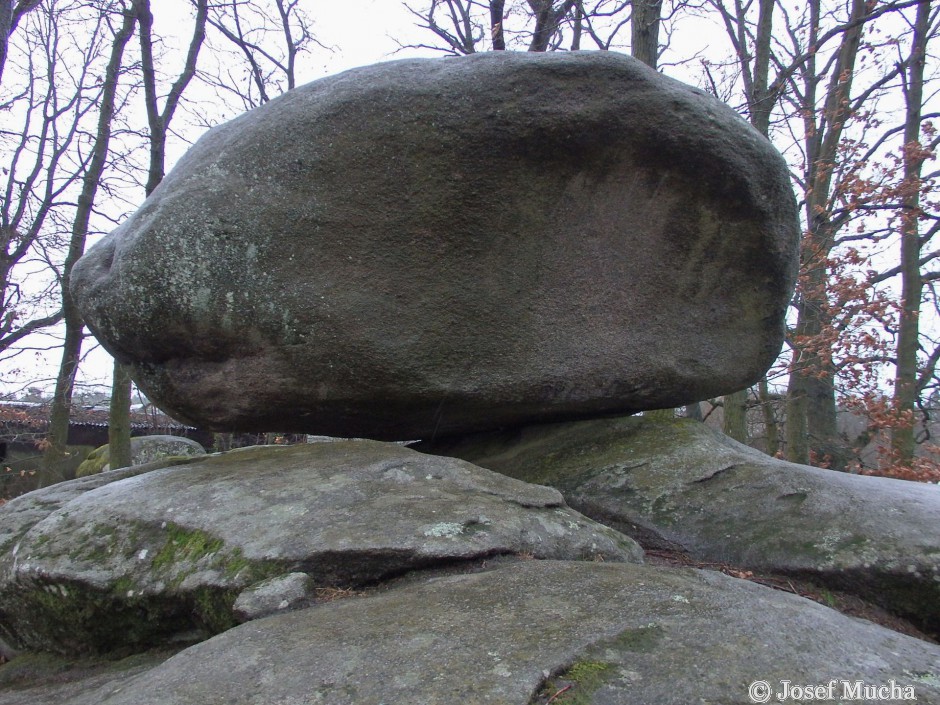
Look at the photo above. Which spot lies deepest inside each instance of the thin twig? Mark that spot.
(552, 699)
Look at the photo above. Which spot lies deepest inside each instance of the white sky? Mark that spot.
(366, 41)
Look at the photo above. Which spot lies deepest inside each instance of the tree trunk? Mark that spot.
(905, 381)
(55, 458)
(811, 396)
(812, 433)
(760, 101)
(547, 19)
(734, 421)
(11, 12)
(6, 28)
(55, 453)
(119, 418)
(761, 98)
(644, 31)
(119, 427)
(496, 24)
(797, 432)
(771, 425)
(826, 447)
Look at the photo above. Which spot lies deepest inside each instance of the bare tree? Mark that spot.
(549, 16)
(39, 171)
(910, 377)
(55, 451)
(11, 12)
(751, 45)
(808, 72)
(256, 44)
(464, 27)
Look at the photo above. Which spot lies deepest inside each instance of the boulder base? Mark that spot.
(429, 247)
(682, 485)
(183, 552)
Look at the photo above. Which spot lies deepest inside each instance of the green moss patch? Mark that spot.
(186, 550)
(185, 545)
(95, 461)
(143, 604)
(577, 683)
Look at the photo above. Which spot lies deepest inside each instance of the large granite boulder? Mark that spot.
(537, 632)
(682, 485)
(428, 247)
(182, 552)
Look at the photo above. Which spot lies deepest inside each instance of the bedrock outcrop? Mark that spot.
(683, 486)
(429, 247)
(533, 633)
(160, 555)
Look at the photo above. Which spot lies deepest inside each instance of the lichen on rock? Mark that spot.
(636, 249)
(175, 547)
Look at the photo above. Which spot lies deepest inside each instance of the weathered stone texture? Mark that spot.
(428, 247)
(162, 556)
(617, 634)
(683, 485)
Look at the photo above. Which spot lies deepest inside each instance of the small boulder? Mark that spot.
(434, 246)
(284, 592)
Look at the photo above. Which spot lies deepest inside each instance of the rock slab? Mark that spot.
(429, 247)
(682, 485)
(164, 555)
(612, 634)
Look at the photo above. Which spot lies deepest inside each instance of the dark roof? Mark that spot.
(32, 416)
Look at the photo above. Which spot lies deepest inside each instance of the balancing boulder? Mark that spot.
(429, 247)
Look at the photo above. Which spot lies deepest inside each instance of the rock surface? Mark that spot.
(683, 485)
(50, 679)
(429, 247)
(162, 556)
(617, 634)
(271, 596)
(144, 449)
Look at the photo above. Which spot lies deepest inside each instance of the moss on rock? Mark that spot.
(576, 684)
(95, 462)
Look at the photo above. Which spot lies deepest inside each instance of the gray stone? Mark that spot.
(162, 556)
(428, 247)
(683, 485)
(144, 449)
(50, 679)
(618, 634)
(20, 514)
(284, 592)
